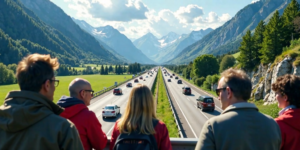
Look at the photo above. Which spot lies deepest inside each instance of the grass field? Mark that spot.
(98, 82)
(163, 111)
(236, 55)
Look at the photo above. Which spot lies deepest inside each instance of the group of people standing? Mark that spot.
(30, 120)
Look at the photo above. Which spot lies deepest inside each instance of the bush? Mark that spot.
(194, 79)
(293, 55)
(200, 81)
(296, 62)
(206, 85)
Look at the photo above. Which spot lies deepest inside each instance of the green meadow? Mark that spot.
(98, 83)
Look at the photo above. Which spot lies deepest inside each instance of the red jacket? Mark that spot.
(289, 123)
(88, 126)
(161, 136)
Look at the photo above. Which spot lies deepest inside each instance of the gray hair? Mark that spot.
(76, 85)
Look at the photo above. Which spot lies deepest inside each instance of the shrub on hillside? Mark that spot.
(199, 81)
(206, 85)
(194, 79)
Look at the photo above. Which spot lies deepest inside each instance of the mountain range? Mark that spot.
(227, 37)
(117, 41)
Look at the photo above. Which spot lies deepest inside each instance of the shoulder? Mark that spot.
(160, 126)
(54, 120)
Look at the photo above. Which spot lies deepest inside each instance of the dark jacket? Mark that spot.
(28, 120)
(86, 122)
(161, 136)
(240, 127)
(289, 123)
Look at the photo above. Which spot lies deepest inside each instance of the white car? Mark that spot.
(110, 111)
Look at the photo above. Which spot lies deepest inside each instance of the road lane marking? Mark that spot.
(202, 112)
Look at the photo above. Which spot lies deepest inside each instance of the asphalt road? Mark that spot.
(192, 118)
(121, 100)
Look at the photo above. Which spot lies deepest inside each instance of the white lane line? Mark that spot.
(186, 119)
(201, 112)
(110, 130)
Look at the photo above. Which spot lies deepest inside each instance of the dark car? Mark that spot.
(187, 90)
(129, 85)
(136, 80)
(173, 74)
(169, 80)
(179, 82)
(171, 77)
(206, 103)
(117, 91)
(141, 77)
(176, 77)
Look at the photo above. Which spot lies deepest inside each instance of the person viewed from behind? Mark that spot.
(139, 117)
(28, 118)
(287, 92)
(89, 127)
(240, 126)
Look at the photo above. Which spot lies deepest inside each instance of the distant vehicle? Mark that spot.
(117, 91)
(179, 82)
(129, 84)
(186, 90)
(173, 74)
(151, 75)
(176, 77)
(171, 77)
(169, 80)
(136, 80)
(144, 79)
(146, 76)
(110, 111)
(206, 103)
(141, 77)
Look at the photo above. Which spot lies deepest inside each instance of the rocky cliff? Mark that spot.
(266, 75)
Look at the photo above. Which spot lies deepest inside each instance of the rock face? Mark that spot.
(266, 75)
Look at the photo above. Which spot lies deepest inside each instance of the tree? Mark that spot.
(106, 70)
(102, 70)
(246, 52)
(227, 62)
(205, 65)
(272, 44)
(110, 69)
(258, 38)
(288, 16)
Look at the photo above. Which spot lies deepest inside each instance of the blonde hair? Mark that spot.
(239, 82)
(139, 112)
(34, 70)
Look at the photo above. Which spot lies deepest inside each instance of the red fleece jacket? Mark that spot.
(161, 136)
(289, 123)
(88, 126)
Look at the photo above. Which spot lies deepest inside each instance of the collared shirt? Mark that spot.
(286, 108)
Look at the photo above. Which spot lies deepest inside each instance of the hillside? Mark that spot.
(227, 37)
(55, 17)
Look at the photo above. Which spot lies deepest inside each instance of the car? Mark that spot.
(136, 80)
(129, 84)
(186, 90)
(171, 77)
(173, 74)
(179, 81)
(144, 79)
(206, 103)
(169, 80)
(141, 77)
(146, 76)
(110, 111)
(176, 77)
(151, 75)
(117, 91)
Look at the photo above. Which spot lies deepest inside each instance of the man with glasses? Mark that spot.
(240, 126)
(89, 127)
(28, 118)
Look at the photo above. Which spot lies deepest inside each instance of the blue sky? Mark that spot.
(134, 18)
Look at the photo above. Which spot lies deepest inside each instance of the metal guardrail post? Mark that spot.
(172, 107)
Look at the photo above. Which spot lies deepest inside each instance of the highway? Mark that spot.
(192, 118)
(121, 100)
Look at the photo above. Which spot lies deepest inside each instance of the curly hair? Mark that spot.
(34, 70)
(290, 86)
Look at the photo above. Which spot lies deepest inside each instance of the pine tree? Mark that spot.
(106, 70)
(120, 69)
(258, 38)
(116, 69)
(111, 68)
(288, 16)
(102, 70)
(246, 52)
(272, 44)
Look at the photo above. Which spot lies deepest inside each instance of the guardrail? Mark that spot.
(172, 107)
(113, 86)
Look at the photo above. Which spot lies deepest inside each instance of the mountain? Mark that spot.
(117, 41)
(169, 46)
(55, 17)
(228, 37)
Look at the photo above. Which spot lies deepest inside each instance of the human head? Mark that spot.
(140, 111)
(81, 89)
(234, 86)
(287, 90)
(36, 73)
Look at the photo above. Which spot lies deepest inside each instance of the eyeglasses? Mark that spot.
(91, 91)
(219, 90)
(56, 82)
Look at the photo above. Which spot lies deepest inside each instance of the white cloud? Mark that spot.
(254, 1)
(135, 19)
